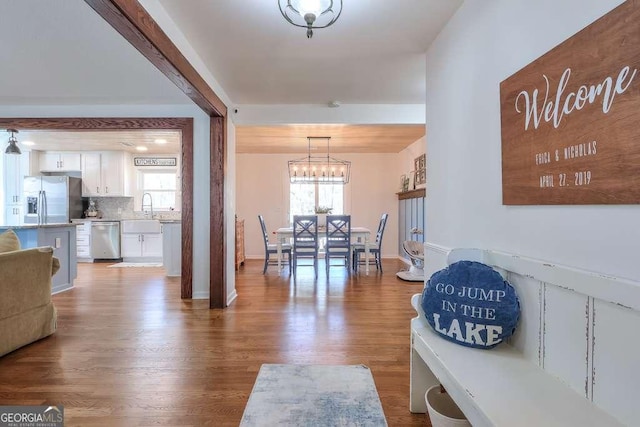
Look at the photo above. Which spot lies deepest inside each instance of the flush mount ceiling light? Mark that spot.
(12, 148)
(310, 14)
(319, 169)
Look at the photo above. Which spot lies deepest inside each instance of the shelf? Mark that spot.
(412, 194)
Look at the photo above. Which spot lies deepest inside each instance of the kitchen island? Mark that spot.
(62, 238)
(172, 247)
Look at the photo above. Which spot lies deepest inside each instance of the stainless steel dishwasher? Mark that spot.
(105, 240)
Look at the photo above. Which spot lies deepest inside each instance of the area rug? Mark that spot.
(136, 264)
(314, 395)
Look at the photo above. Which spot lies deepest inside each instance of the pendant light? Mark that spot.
(12, 148)
(310, 14)
(319, 169)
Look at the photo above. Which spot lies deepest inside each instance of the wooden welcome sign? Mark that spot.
(571, 119)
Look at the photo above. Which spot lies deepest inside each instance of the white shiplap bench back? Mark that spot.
(578, 332)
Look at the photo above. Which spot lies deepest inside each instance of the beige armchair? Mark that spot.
(26, 311)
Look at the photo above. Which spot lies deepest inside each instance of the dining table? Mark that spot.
(359, 234)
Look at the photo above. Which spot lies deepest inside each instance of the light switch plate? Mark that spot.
(58, 242)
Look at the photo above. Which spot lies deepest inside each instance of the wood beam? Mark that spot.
(218, 251)
(134, 23)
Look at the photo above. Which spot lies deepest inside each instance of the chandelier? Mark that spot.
(310, 14)
(12, 148)
(319, 169)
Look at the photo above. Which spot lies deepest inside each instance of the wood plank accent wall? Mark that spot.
(185, 125)
(135, 24)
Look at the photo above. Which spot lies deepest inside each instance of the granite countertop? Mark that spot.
(94, 219)
(163, 221)
(28, 226)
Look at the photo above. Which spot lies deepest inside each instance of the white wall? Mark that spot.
(230, 209)
(263, 188)
(484, 43)
(200, 166)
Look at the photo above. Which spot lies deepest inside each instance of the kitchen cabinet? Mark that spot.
(147, 246)
(62, 238)
(13, 215)
(172, 248)
(59, 161)
(103, 174)
(15, 168)
(83, 240)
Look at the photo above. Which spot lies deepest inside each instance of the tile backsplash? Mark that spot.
(122, 208)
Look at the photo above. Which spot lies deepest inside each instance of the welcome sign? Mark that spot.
(571, 119)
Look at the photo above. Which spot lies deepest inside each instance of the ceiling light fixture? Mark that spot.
(319, 169)
(141, 148)
(310, 14)
(160, 141)
(12, 148)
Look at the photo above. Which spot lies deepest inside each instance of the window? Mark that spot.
(303, 198)
(162, 186)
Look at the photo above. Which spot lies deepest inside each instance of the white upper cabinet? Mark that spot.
(16, 167)
(59, 161)
(103, 174)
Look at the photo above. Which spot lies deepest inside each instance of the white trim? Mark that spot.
(620, 291)
(232, 297)
(200, 295)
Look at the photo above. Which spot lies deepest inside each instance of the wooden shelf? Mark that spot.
(412, 194)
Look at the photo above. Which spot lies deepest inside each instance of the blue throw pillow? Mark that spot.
(469, 303)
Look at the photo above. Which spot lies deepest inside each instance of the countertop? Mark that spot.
(162, 221)
(28, 226)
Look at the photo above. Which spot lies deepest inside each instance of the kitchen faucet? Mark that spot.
(150, 204)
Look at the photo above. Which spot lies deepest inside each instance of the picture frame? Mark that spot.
(404, 183)
(412, 180)
(420, 162)
(421, 176)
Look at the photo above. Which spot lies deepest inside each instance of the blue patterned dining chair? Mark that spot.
(338, 244)
(271, 248)
(375, 248)
(305, 240)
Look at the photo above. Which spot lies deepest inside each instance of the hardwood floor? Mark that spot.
(129, 352)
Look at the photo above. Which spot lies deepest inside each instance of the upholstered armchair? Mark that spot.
(26, 311)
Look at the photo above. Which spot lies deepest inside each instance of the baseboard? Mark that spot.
(232, 297)
(61, 288)
(200, 295)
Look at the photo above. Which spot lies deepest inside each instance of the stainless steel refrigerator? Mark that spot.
(52, 199)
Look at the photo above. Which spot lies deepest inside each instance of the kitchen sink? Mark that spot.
(140, 226)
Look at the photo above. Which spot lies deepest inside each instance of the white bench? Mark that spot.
(503, 386)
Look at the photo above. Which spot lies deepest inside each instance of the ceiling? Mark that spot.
(249, 139)
(344, 138)
(373, 54)
(60, 52)
(103, 141)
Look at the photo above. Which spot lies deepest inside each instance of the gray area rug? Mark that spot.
(314, 395)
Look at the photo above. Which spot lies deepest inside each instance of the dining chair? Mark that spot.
(375, 249)
(338, 243)
(271, 248)
(305, 240)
